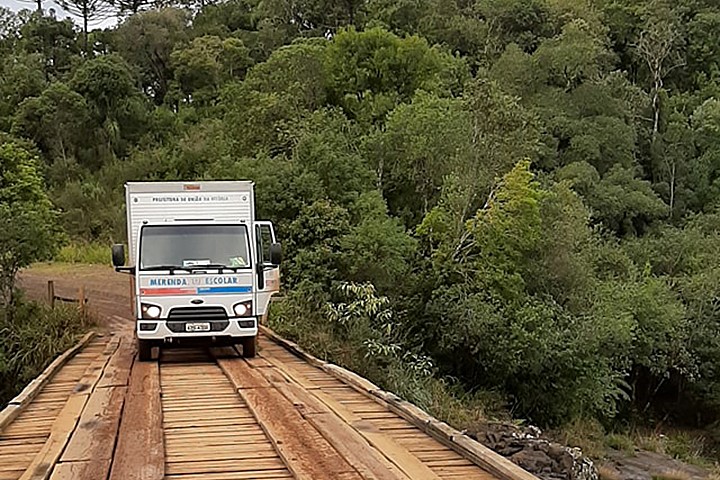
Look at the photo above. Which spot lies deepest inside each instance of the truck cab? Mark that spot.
(203, 268)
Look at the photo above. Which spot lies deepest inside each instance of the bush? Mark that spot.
(31, 340)
(88, 253)
(360, 331)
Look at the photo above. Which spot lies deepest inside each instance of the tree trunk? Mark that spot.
(85, 31)
(656, 103)
(672, 188)
(39, 6)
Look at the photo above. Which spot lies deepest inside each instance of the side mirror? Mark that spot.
(275, 254)
(118, 255)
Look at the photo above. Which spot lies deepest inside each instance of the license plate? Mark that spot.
(197, 327)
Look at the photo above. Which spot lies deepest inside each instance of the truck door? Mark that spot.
(270, 275)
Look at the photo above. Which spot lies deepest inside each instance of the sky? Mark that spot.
(17, 5)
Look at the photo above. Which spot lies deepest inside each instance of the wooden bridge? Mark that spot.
(96, 413)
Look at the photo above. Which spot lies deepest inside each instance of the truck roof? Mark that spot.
(204, 186)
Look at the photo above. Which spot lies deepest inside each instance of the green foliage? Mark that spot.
(530, 187)
(28, 229)
(87, 253)
(206, 63)
(146, 41)
(31, 340)
(57, 120)
(371, 72)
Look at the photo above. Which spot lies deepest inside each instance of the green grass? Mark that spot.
(620, 442)
(32, 337)
(87, 253)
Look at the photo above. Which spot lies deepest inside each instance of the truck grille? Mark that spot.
(215, 316)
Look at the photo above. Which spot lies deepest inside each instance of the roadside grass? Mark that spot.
(32, 336)
(586, 434)
(87, 253)
(695, 447)
(692, 447)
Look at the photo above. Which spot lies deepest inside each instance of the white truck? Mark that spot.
(203, 268)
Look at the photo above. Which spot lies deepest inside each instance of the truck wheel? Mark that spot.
(144, 350)
(249, 345)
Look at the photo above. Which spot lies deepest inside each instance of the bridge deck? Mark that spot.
(212, 414)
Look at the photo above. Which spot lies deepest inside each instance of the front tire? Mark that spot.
(144, 350)
(249, 346)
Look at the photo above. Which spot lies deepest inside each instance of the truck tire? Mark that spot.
(249, 346)
(144, 350)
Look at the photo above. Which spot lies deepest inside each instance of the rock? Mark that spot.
(533, 460)
(544, 459)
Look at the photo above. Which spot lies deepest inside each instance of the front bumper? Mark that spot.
(162, 332)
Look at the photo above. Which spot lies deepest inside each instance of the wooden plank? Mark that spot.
(95, 371)
(241, 374)
(291, 346)
(41, 467)
(117, 373)
(350, 378)
(28, 394)
(8, 415)
(412, 466)
(369, 462)
(91, 469)
(140, 452)
(305, 452)
(443, 433)
(64, 425)
(94, 438)
(396, 453)
(293, 373)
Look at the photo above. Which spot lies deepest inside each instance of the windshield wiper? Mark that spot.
(212, 266)
(172, 268)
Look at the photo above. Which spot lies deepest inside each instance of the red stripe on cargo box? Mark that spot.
(168, 291)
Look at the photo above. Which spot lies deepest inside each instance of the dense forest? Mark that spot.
(503, 201)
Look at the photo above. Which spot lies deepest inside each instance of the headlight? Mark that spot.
(150, 311)
(243, 309)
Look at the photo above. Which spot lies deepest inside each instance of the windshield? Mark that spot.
(193, 245)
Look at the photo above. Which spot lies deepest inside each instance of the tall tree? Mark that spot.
(90, 11)
(131, 7)
(658, 48)
(146, 41)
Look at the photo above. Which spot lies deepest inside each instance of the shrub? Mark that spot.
(31, 340)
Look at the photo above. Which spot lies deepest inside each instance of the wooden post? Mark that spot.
(81, 298)
(51, 293)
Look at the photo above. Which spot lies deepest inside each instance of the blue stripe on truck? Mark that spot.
(212, 290)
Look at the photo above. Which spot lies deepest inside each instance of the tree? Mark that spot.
(28, 223)
(206, 63)
(90, 11)
(371, 72)
(146, 41)
(109, 89)
(658, 48)
(130, 7)
(9, 27)
(23, 78)
(55, 40)
(57, 120)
